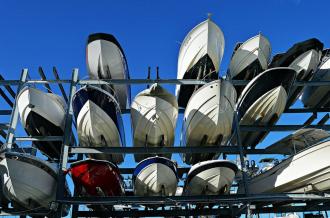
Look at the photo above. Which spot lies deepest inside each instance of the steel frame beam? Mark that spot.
(167, 150)
(200, 199)
(65, 146)
(14, 115)
(151, 81)
(39, 138)
(288, 111)
(224, 212)
(5, 112)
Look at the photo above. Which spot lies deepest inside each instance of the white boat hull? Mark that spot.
(208, 118)
(210, 178)
(50, 106)
(314, 96)
(96, 129)
(293, 176)
(205, 41)
(265, 111)
(156, 179)
(256, 49)
(106, 60)
(43, 114)
(305, 65)
(26, 184)
(153, 116)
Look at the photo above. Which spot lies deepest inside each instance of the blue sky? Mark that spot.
(36, 33)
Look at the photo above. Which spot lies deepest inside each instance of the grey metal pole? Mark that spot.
(241, 157)
(14, 114)
(65, 148)
(241, 154)
(60, 84)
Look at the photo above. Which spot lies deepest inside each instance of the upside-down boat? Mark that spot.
(106, 60)
(199, 58)
(28, 181)
(208, 119)
(43, 114)
(96, 178)
(262, 102)
(99, 121)
(249, 59)
(319, 96)
(304, 58)
(155, 176)
(211, 177)
(154, 112)
(285, 59)
(305, 65)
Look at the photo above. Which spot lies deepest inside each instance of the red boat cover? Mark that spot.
(97, 178)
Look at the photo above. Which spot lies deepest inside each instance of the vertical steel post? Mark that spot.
(241, 157)
(66, 142)
(14, 114)
(75, 207)
(241, 154)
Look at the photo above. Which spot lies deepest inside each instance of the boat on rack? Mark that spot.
(106, 60)
(96, 178)
(292, 175)
(304, 58)
(99, 121)
(319, 96)
(211, 177)
(154, 112)
(199, 58)
(28, 181)
(249, 59)
(43, 114)
(262, 102)
(285, 59)
(208, 119)
(305, 65)
(298, 140)
(155, 176)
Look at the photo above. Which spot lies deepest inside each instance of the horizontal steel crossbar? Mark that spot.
(166, 150)
(200, 199)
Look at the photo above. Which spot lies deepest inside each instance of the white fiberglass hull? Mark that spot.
(255, 50)
(43, 114)
(155, 178)
(265, 111)
(153, 113)
(210, 178)
(208, 118)
(50, 106)
(106, 60)
(305, 65)
(293, 176)
(28, 184)
(203, 45)
(99, 121)
(92, 124)
(318, 96)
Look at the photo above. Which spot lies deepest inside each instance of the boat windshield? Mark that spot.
(267, 164)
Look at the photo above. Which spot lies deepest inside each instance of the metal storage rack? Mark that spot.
(225, 205)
